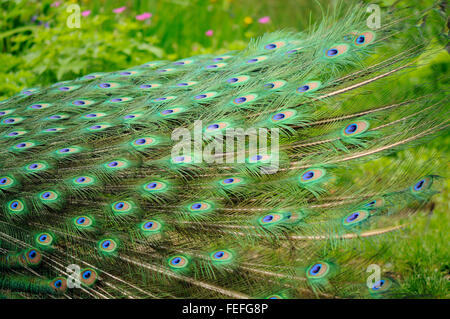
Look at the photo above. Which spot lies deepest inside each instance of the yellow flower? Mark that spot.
(248, 20)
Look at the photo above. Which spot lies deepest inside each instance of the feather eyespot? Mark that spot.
(82, 102)
(32, 257)
(244, 99)
(16, 206)
(98, 127)
(355, 217)
(375, 203)
(23, 146)
(216, 127)
(204, 96)
(231, 181)
(221, 256)
(150, 227)
(216, 66)
(82, 222)
(94, 115)
(120, 99)
(6, 182)
(274, 297)
(143, 142)
(155, 186)
(238, 80)
(122, 207)
(312, 175)
(184, 159)
(44, 239)
(186, 84)
(355, 128)
(294, 51)
(309, 87)
(275, 85)
(200, 207)
(282, 116)
(256, 59)
(108, 85)
(68, 151)
(48, 196)
(39, 106)
(92, 76)
(259, 158)
(53, 130)
(270, 219)
(164, 99)
(34, 167)
(131, 117)
(28, 92)
(275, 45)
(59, 284)
(128, 73)
(12, 120)
(15, 133)
(68, 88)
(222, 58)
(57, 117)
(83, 181)
(149, 86)
(318, 270)
(88, 276)
(178, 262)
(168, 70)
(108, 246)
(381, 286)
(6, 112)
(183, 62)
(364, 39)
(170, 112)
(151, 64)
(421, 185)
(116, 165)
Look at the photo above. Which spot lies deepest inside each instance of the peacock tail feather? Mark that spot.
(92, 193)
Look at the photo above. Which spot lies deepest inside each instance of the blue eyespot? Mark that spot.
(308, 175)
(352, 217)
(279, 116)
(315, 269)
(332, 52)
(351, 128)
(106, 244)
(148, 225)
(219, 254)
(360, 39)
(257, 158)
(32, 254)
